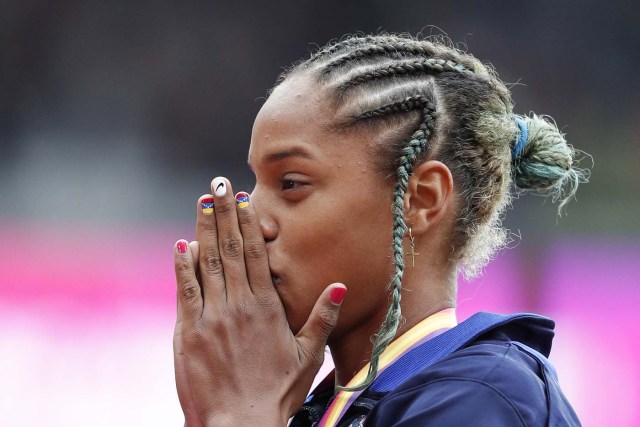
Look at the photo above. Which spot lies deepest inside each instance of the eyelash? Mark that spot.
(295, 183)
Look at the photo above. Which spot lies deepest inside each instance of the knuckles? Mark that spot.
(188, 286)
(224, 207)
(212, 262)
(244, 312)
(231, 247)
(327, 319)
(190, 290)
(193, 338)
(226, 323)
(183, 266)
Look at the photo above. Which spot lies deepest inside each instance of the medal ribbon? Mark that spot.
(430, 327)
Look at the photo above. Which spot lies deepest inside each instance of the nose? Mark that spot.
(268, 224)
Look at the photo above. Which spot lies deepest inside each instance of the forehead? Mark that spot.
(299, 97)
(301, 116)
(295, 111)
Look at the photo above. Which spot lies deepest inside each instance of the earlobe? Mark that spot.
(429, 196)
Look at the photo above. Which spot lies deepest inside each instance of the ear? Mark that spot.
(429, 196)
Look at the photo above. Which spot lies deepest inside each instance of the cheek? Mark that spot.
(343, 239)
(350, 245)
(349, 230)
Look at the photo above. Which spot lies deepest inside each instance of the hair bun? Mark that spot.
(546, 163)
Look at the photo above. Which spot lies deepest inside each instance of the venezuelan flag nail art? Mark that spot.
(207, 206)
(242, 199)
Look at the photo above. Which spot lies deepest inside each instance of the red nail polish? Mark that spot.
(337, 295)
(182, 246)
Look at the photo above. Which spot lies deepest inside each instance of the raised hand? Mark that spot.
(241, 361)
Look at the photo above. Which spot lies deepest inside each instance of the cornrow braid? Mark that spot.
(341, 45)
(410, 103)
(416, 146)
(364, 53)
(410, 67)
(395, 47)
(325, 52)
(391, 48)
(366, 40)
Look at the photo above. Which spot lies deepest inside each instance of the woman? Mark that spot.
(363, 125)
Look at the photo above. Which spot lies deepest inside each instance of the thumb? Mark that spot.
(312, 338)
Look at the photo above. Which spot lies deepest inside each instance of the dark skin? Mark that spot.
(248, 347)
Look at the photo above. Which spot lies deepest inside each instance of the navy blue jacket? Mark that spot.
(499, 378)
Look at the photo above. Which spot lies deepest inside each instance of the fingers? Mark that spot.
(209, 260)
(189, 292)
(313, 336)
(232, 254)
(230, 242)
(255, 252)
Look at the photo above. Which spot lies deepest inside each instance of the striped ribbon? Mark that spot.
(430, 327)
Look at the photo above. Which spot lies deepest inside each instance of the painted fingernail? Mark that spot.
(242, 199)
(207, 206)
(337, 295)
(182, 246)
(219, 187)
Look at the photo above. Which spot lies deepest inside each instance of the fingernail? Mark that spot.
(182, 246)
(219, 187)
(207, 206)
(337, 295)
(242, 199)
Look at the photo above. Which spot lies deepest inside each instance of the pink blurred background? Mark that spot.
(115, 116)
(88, 314)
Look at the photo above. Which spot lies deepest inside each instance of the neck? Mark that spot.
(352, 350)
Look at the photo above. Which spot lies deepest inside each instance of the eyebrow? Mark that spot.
(284, 154)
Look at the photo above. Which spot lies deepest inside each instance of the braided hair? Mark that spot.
(450, 107)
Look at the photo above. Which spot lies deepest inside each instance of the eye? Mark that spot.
(294, 186)
(290, 184)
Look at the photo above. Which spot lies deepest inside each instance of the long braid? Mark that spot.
(410, 67)
(416, 146)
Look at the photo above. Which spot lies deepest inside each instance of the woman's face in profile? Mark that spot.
(324, 209)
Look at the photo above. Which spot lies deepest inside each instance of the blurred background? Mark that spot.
(115, 116)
